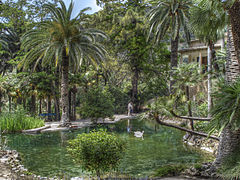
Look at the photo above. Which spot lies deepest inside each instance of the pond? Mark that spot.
(45, 154)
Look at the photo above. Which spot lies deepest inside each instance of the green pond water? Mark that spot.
(45, 154)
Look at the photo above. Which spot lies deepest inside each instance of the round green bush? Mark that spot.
(97, 151)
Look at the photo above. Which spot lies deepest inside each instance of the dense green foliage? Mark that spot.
(226, 110)
(17, 121)
(97, 103)
(97, 151)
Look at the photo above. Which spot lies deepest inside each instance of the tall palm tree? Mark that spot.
(230, 139)
(62, 40)
(208, 22)
(170, 15)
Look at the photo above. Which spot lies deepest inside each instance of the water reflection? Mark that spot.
(46, 154)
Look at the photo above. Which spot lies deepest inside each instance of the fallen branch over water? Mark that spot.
(156, 117)
(190, 118)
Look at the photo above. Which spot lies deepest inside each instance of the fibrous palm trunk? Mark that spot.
(229, 139)
(174, 57)
(64, 91)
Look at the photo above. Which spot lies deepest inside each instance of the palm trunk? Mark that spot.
(64, 91)
(174, 57)
(209, 68)
(229, 139)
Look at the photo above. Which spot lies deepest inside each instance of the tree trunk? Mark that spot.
(40, 106)
(57, 108)
(174, 57)
(74, 92)
(135, 89)
(10, 103)
(49, 104)
(189, 107)
(64, 91)
(229, 139)
(33, 102)
(70, 104)
(209, 68)
(55, 91)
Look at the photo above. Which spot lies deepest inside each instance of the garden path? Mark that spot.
(80, 123)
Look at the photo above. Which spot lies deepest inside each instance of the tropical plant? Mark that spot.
(63, 40)
(208, 23)
(97, 151)
(226, 110)
(170, 15)
(229, 140)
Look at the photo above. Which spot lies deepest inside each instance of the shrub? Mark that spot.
(97, 103)
(17, 121)
(97, 151)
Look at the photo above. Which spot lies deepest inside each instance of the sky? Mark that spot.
(80, 4)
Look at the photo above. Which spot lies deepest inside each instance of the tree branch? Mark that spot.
(190, 118)
(185, 129)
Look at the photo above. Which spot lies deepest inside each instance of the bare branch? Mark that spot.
(190, 118)
(156, 117)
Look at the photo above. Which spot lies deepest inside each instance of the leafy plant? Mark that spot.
(226, 110)
(97, 151)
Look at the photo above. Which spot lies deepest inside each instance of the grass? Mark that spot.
(17, 121)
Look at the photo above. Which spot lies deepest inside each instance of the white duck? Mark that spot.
(138, 134)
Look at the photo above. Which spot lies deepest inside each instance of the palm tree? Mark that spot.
(64, 41)
(230, 139)
(170, 15)
(208, 23)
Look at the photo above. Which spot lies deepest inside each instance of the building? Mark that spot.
(197, 51)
